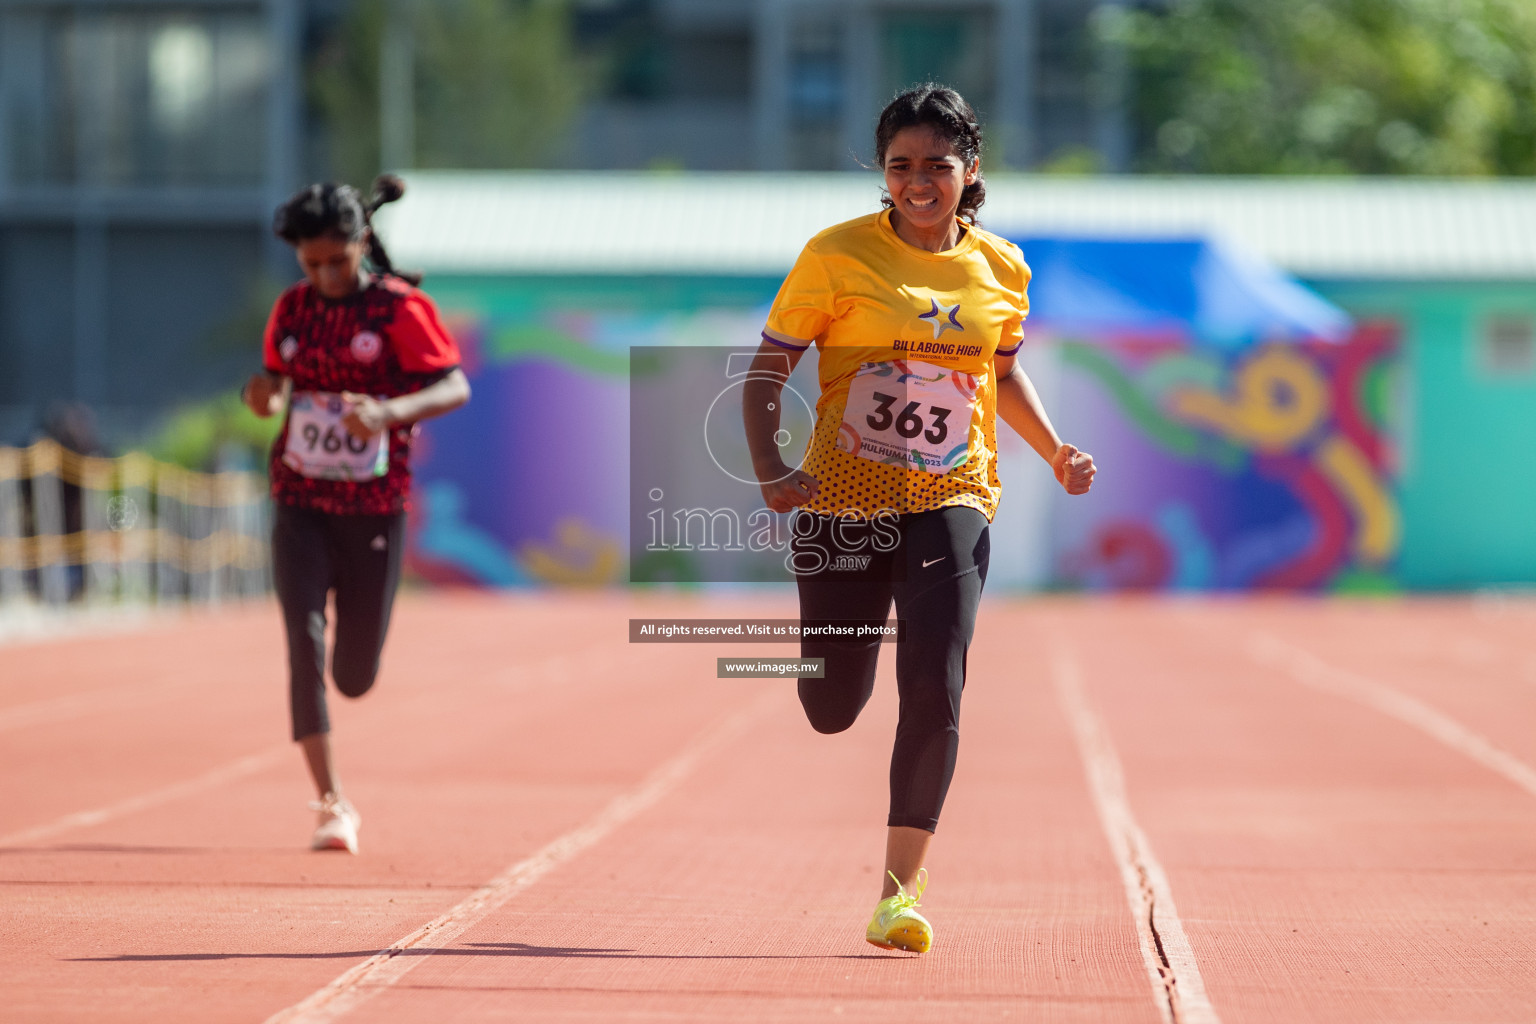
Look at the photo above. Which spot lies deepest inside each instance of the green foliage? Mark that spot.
(344, 89)
(1365, 583)
(496, 83)
(220, 433)
(240, 331)
(1073, 161)
(1439, 87)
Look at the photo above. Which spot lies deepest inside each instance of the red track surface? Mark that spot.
(1331, 856)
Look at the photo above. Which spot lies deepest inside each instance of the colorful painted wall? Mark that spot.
(1396, 459)
(1269, 467)
(1466, 480)
(528, 484)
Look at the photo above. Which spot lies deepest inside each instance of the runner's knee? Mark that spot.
(833, 702)
(825, 716)
(354, 680)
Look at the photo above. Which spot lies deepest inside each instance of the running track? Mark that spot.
(1240, 811)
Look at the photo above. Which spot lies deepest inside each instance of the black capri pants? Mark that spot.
(359, 557)
(934, 574)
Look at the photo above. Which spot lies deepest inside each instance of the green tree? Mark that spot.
(496, 84)
(1439, 87)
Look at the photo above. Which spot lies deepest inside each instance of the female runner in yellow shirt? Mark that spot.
(918, 315)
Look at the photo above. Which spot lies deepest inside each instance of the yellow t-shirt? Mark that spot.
(909, 335)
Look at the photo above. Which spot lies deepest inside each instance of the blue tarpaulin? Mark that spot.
(1211, 292)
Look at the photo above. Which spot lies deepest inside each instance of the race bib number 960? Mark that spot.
(319, 446)
(909, 413)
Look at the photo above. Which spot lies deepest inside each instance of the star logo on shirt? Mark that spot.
(942, 318)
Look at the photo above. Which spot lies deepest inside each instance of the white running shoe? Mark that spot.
(339, 822)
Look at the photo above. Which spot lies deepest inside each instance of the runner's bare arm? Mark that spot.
(783, 488)
(369, 415)
(265, 393)
(1018, 404)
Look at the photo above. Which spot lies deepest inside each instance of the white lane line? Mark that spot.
(91, 702)
(43, 711)
(220, 776)
(1310, 670)
(1177, 987)
(386, 967)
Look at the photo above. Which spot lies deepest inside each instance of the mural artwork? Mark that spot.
(527, 485)
(1268, 467)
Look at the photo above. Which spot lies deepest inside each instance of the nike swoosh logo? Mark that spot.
(935, 561)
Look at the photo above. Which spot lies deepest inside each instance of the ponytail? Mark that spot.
(386, 189)
(339, 211)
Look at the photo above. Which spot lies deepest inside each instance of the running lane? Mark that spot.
(152, 843)
(1332, 862)
(686, 848)
(496, 725)
(744, 894)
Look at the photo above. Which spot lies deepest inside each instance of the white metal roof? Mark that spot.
(637, 222)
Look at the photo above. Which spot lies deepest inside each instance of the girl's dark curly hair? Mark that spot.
(945, 111)
(339, 211)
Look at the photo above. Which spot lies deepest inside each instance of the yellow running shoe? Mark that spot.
(896, 925)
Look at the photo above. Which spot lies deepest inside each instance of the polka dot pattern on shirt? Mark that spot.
(853, 485)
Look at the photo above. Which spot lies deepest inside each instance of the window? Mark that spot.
(816, 86)
(953, 47)
(134, 98)
(1507, 346)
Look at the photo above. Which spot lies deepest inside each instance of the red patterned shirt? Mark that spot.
(384, 340)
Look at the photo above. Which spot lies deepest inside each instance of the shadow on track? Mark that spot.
(475, 949)
(122, 848)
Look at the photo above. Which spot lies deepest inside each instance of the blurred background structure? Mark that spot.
(1277, 373)
(1372, 151)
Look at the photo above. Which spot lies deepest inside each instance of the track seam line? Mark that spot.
(225, 773)
(1310, 670)
(237, 769)
(111, 700)
(1177, 987)
(383, 969)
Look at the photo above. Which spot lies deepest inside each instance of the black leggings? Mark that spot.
(358, 557)
(935, 574)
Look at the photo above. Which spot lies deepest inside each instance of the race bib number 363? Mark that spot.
(319, 446)
(909, 413)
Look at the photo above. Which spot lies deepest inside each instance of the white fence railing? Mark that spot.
(128, 530)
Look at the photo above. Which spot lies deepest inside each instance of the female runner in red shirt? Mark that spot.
(358, 356)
